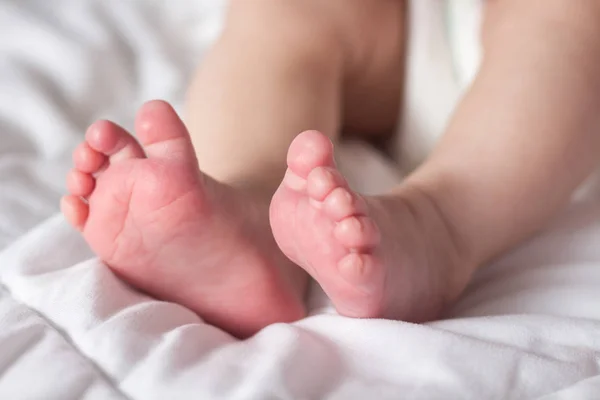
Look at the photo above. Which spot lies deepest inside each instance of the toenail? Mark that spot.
(352, 266)
(347, 197)
(293, 181)
(327, 175)
(349, 226)
(340, 199)
(95, 132)
(310, 144)
(355, 224)
(315, 203)
(145, 124)
(321, 183)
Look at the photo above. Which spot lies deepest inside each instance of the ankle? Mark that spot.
(448, 254)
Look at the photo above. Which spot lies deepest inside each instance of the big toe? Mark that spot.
(163, 134)
(112, 141)
(75, 211)
(309, 150)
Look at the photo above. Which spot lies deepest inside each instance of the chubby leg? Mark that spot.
(282, 67)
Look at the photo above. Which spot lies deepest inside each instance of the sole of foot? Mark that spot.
(168, 229)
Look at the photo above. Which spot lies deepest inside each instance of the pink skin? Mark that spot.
(369, 254)
(170, 230)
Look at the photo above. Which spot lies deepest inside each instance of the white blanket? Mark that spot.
(528, 327)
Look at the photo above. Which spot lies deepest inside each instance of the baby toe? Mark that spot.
(355, 267)
(309, 150)
(357, 232)
(75, 211)
(341, 203)
(88, 160)
(293, 181)
(114, 141)
(80, 183)
(322, 181)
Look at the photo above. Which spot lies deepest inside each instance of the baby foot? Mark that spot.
(175, 233)
(373, 256)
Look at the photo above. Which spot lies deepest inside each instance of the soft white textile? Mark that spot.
(69, 329)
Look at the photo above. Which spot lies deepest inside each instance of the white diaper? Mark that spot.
(443, 57)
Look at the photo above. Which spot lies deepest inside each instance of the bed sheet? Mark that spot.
(528, 327)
